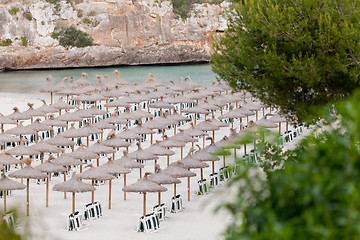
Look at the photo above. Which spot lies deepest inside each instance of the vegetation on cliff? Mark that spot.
(72, 37)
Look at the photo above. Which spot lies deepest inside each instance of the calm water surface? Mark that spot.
(29, 82)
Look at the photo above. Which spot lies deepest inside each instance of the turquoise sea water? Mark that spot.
(30, 82)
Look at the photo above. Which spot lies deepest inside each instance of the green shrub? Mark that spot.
(57, 7)
(182, 8)
(6, 42)
(95, 23)
(91, 13)
(80, 13)
(24, 41)
(52, 1)
(54, 35)
(75, 38)
(28, 16)
(87, 20)
(13, 10)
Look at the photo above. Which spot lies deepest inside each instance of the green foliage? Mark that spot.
(54, 35)
(182, 8)
(80, 13)
(75, 38)
(6, 42)
(53, 1)
(57, 8)
(295, 54)
(87, 20)
(13, 10)
(28, 16)
(91, 13)
(9, 232)
(24, 41)
(316, 193)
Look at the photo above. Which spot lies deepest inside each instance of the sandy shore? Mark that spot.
(196, 221)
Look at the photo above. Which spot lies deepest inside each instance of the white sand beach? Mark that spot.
(198, 219)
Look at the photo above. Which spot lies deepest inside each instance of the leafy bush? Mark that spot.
(91, 13)
(182, 8)
(80, 13)
(28, 16)
(13, 10)
(75, 38)
(6, 42)
(316, 193)
(24, 41)
(87, 20)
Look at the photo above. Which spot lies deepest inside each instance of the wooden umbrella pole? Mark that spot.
(27, 196)
(189, 188)
(110, 194)
(80, 168)
(287, 126)
(214, 135)
(2, 128)
(181, 153)
(5, 192)
(245, 148)
(168, 160)
(175, 129)
(64, 181)
(195, 119)
(124, 186)
(256, 115)
(51, 97)
(92, 192)
(159, 198)
(224, 160)
(201, 174)
(151, 138)
(144, 209)
(73, 202)
(232, 123)
(59, 112)
(235, 152)
(102, 136)
(98, 162)
(73, 146)
(174, 189)
(180, 108)
(155, 166)
(213, 167)
(42, 157)
(47, 190)
(87, 141)
(140, 172)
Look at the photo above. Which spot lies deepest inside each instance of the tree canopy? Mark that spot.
(315, 194)
(295, 54)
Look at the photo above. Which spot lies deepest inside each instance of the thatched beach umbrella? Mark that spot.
(118, 80)
(170, 143)
(38, 127)
(6, 120)
(142, 155)
(17, 115)
(207, 126)
(162, 178)
(60, 104)
(203, 156)
(51, 121)
(159, 123)
(115, 142)
(44, 147)
(180, 99)
(7, 159)
(177, 118)
(99, 149)
(48, 167)
(28, 172)
(266, 123)
(144, 186)
(112, 167)
(196, 110)
(94, 173)
(130, 163)
(83, 154)
(21, 130)
(7, 184)
(74, 185)
(161, 105)
(121, 102)
(254, 106)
(51, 88)
(22, 150)
(176, 170)
(158, 150)
(233, 114)
(60, 141)
(183, 137)
(33, 112)
(278, 119)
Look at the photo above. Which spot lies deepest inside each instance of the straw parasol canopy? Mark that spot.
(121, 102)
(116, 119)
(33, 112)
(158, 150)
(5, 120)
(74, 185)
(48, 167)
(144, 185)
(190, 84)
(6, 138)
(142, 130)
(7, 159)
(28, 172)
(206, 126)
(60, 141)
(60, 104)
(66, 160)
(177, 117)
(17, 115)
(162, 178)
(74, 133)
(103, 125)
(161, 104)
(54, 122)
(215, 122)
(21, 130)
(51, 88)
(176, 170)
(203, 156)
(22, 150)
(83, 153)
(118, 80)
(139, 114)
(112, 167)
(266, 123)
(127, 162)
(151, 82)
(142, 154)
(44, 147)
(70, 117)
(128, 134)
(7, 184)
(39, 126)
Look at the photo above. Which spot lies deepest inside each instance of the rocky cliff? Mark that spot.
(124, 32)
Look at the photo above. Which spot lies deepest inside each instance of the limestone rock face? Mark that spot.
(124, 32)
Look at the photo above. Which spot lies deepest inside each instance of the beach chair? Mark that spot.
(89, 211)
(176, 204)
(98, 209)
(9, 220)
(214, 179)
(160, 211)
(202, 187)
